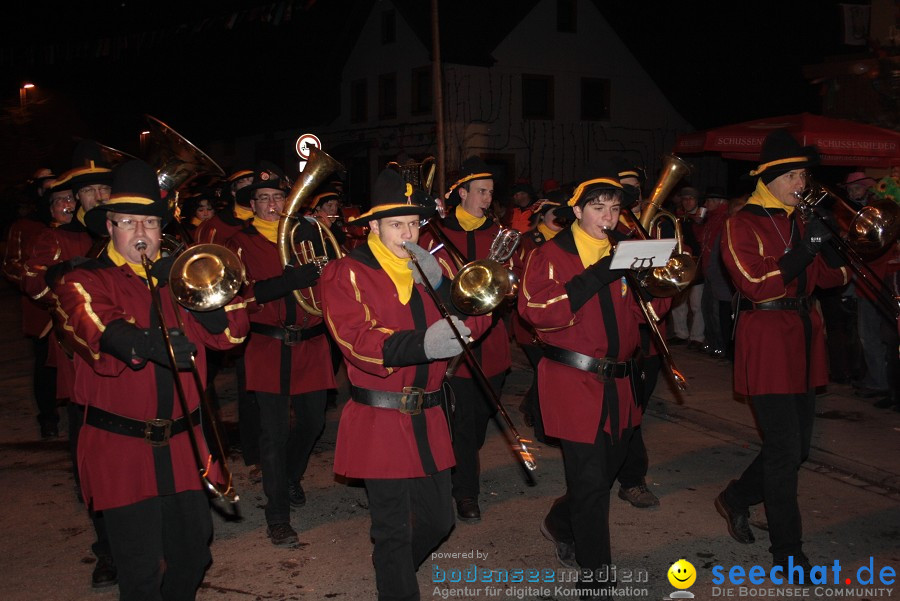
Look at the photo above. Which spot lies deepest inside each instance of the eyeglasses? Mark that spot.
(95, 190)
(127, 224)
(269, 198)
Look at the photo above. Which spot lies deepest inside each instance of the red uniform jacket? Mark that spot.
(118, 470)
(35, 319)
(492, 349)
(50, 247)
(575, 403)
(522, 330)
(382, 343)
(770, 347)
(273, 366)
(216, 230)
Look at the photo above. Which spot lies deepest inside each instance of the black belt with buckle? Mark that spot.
(801, 304)
(604, 369)
(290, 335)
(411, 400)
(155, 432)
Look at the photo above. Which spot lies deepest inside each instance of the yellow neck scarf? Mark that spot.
(468, 221)
(79, 215)
(242, 212)
(590, 249)
(546, 231)
(119, 260)
(195, 221)
(763, 197)
(394, 266)
(269, 229)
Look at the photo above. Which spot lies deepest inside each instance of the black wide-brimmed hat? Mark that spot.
(393, 197)
(135, 191)
(604, 175)
(715, 192)
(324, 193)
(472, 169)
(266, 175)
(781, 152)
(89, 167)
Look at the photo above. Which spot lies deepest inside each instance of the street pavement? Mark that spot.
(697, 442)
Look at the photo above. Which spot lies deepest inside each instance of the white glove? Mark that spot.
(427, 262)
(441, 342)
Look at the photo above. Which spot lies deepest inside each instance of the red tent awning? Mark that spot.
(840, 142)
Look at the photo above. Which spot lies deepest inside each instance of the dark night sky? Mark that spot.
(704, 55)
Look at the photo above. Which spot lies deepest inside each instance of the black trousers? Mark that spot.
(581, 516)
(44, 382)
(285, 447)
(248, 415)
(410, 517)
(75, 414)
(786, 422)
(470, 419)
(634, 468)
(161, 546)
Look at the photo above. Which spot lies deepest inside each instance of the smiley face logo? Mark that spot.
(682, 574)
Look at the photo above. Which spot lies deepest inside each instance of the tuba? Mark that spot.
(674, 168)
(177, 162)
(318, 168)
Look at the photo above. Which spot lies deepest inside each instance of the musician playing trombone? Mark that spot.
(586, 318)
(470, 229)
(776, 259)
(393, 432)
(135, 452)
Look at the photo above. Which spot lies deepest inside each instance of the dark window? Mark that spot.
(420, 103)
(594, 99)
(387, 96)
(537, 97)
(388, 27)
(566, 16)
(358, 101)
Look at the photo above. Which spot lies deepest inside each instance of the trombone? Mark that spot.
(203, 278)
(521, 443)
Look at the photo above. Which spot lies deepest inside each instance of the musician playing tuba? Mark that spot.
(284, 355)
(470, 229)
(775, 261)
(393, 432)
(135, 452)
(589, 376)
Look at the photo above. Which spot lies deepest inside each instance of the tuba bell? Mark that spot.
(318, 168)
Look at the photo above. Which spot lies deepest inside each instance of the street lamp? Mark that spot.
(23, 94)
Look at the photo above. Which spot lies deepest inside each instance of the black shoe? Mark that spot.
(49, 431)
(639, 496)
(467, 510)
(565, 552)
(105, 573)
(885, 403)
(738, 522)
(695, 345)
(282, 535)
(296, 494)
(869, 393)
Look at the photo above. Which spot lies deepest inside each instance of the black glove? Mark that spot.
(793, 263)
(817, 233)
(586, 284)
(215, 321)
(161, 268)
(293, 278)
(134, 346)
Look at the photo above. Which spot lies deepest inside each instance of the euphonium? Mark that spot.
(674, 168)
(318, 168)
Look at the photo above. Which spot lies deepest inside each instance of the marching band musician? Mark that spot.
(589, 377)
(775, 262)
(283, 355)
(393, 432)
(134, 449)
(234, 216)
(469, 229)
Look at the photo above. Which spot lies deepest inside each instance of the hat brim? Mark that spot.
(76, 181)
(397, 210)
(95, 219)
(242, 196)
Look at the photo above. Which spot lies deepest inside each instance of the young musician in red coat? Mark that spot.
(776, 261)
(469, 228)
(286, 356)
(134, 450)
(586, 317)
(393, 431)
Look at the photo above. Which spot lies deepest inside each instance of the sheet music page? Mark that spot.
(642, 254)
